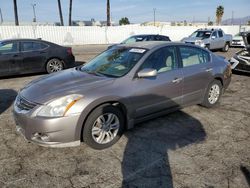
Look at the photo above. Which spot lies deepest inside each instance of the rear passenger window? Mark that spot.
(220, 34)
(32, 46)
(193, 56)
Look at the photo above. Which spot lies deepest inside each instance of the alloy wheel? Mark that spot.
(214, 94)
(105, 128)
(55, 65)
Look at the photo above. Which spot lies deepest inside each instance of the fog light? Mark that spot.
(40, 136)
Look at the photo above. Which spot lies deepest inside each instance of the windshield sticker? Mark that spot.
(137, 50)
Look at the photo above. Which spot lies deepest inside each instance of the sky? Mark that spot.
(137, 11)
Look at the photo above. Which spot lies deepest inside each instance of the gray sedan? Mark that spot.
(122, 86)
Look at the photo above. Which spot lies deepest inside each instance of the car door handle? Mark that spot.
(177, 80)
(209, 70)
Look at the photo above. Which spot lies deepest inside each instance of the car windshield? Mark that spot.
(114, 62)
(201, 34)
(134, 39)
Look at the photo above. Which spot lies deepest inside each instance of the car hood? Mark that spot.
(71, 81)
(238, 38)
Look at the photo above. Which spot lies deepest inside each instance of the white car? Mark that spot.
(238, 41)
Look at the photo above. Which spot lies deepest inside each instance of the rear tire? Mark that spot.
(54, 65)
(213, 94)
(226, 47)
(103, 127)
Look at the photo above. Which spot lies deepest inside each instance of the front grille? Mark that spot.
(236, 40)
(23, 104)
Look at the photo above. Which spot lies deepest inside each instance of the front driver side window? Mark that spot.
(8, 47)
(162, 60)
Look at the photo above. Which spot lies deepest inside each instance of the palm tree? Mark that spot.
(108, 13)
(70, 12)
(15, 12)
(219, 14)
(60, 12)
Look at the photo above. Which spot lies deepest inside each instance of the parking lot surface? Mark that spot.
(192, 148)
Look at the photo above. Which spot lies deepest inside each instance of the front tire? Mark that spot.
(54, 65)
(103, 127)
(213, 94)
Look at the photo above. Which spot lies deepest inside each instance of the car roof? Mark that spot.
(149, 44)
(209, 29)
(27, 39)
(144, 35)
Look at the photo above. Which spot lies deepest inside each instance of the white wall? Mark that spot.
(98, 35)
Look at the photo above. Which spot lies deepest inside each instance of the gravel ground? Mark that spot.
(192, 148)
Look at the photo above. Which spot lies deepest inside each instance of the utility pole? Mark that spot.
(15, 12)
(108, 14)
(60, 12)
(1, 16)
(154, 9)
(34, 12)
(70, 12)
(232, 20)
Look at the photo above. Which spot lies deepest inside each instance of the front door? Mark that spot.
(154, 94)
(10, 58)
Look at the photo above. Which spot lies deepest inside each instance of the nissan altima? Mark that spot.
(127, 84)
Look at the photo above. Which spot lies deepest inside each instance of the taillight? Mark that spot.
(69, 51)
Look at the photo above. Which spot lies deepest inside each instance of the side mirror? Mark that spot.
(213, 37)
(145, 73)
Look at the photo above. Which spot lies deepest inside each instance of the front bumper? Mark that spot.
(48, 132)
(69, 61)
(238, 43)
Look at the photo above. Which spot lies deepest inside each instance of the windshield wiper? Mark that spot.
(91, 72)
(107, 75)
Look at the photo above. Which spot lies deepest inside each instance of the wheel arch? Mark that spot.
(219, 79)
(88, 110)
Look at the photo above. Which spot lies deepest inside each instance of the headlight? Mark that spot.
(200, 43)
(59, 107)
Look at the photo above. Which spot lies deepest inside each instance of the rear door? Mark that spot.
(197, 71)
(10, 58)
(158, 93)
(34, 56)
(215, 41)
(222, 40)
